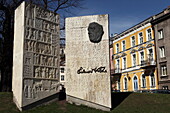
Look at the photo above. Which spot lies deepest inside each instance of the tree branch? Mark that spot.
(45, 4)
(59, 5)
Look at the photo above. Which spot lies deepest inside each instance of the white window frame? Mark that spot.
(147, 34)
(61, 78)
(133, 82)
(140, 37)
(152, 85)
(117, 48)
(153, 52)
(164, 69)
(123, 62)
(133, 61)
(140, 56)
(162, 52)
(62, 70)
(160, 34)
(132, 41)
(142, 81)
(123, 45)
(117, 63)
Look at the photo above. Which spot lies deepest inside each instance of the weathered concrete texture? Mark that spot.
(87, 62)
(18, 55)
(78, 101)
(36, 55)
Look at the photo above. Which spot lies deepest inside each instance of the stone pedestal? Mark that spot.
(87, 61)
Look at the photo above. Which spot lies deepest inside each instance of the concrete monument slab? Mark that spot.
(36, 55)
(87, 61)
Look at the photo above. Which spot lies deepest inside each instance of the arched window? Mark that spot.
(143, 81)
(135, 83)
(125, 84)
(152, 80)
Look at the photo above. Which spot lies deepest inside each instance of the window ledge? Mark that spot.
(160, 39)
(162, 57)
(152, 86)
(163, 76)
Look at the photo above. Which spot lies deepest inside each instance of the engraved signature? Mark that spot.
(93, 70)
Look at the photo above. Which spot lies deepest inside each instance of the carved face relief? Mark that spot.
(95, 32)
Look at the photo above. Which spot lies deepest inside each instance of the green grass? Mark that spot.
(134, 103)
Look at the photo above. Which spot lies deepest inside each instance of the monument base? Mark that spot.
(78, 101)
(44, 101)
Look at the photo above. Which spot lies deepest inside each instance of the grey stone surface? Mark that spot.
(78, 101)
(162, 22)
(36, 54)
(87, 62)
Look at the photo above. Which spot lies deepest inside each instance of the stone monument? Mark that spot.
(87, 61)
(36, 56)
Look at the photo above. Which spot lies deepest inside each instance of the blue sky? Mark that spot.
(123, 13)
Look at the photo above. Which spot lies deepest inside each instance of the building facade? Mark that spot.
(134, 59)
(62, 61)
(161, 26)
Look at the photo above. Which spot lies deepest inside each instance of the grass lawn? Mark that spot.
(133, 103)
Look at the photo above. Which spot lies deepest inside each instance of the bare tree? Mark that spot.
(7, 8)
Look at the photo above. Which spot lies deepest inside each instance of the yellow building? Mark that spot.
(134, 59)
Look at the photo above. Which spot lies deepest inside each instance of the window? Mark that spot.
(165, 87)
(160, 34)
(163, 70)
(152, 80)
(134, 60)
(133, 41)
(143, 81)
(142, 57)
(118, 83)
(149, 34)
(62, 77)
(123, 45)
(117, 64)
(150, 54)
(117, 48)
(162, 52)
(135, 83)
(140, 38)
(124, 62)
(125, 84)
(62, 70)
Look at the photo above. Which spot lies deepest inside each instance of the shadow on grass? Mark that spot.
(62, 94)
(118, 98)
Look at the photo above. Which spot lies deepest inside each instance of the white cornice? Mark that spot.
(149, 24)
